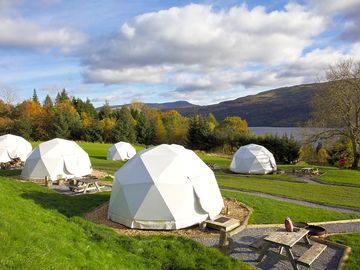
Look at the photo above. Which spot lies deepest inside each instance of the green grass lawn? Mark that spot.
(332, 175)
(269, 211)
(327, 194)
(40, 229)
(283, 185)
(352, 240)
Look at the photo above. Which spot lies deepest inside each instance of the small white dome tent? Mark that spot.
(57, 158)
(253, 159)
(121, 151)
(12, 146)
(163, 188)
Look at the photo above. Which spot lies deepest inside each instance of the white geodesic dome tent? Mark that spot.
(163, 188)
(253, 159)
(121, 151)
(12, 146)
(57, 158)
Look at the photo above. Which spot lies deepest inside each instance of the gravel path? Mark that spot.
(240, 249)
(334, 227)
(342, 209)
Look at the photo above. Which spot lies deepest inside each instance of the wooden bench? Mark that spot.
(227, 227)
(311, 254)
(225, 235)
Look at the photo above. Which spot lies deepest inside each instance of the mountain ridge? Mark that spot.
(281, 107)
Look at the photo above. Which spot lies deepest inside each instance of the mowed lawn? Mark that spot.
(282, 185)
(53, 223)
(41, 229)
(332, 175)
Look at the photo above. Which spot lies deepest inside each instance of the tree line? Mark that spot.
(75, 119)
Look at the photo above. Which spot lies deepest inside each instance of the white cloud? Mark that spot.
(198, 35)
(21, 33)
(148, 74)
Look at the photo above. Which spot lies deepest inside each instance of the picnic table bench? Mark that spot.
(313, 171)
(286, 240)
(83, 184)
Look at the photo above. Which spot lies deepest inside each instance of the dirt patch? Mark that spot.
(234, 209)
(99, 174)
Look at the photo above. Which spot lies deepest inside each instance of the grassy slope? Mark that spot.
(40, 229)
(269, 211)
(352, 240)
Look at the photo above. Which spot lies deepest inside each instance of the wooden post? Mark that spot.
(48, 182)
(223, 239)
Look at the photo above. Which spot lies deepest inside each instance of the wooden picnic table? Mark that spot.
(285, 240)
(84, 184)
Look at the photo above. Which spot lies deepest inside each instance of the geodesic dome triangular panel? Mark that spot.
(57, 158)
(164, 187)
(12, 146)
(121, 151)
(253, 159)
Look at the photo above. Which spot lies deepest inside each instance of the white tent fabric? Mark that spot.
(165, 187)
(121, 151)
(12, 146)
(253, 159)
(57, 158)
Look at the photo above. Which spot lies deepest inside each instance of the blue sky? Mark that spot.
(158, 51)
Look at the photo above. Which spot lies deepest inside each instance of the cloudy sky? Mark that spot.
(158, 51)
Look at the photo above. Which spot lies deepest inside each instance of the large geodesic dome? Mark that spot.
(57, 158)
(163, 188)
(121, 151)
(12, 147)
(253, 159)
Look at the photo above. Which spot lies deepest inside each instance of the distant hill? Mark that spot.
(172, 105)
(281, 107)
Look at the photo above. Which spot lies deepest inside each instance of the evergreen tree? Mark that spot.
(62, 96)
(105, 111)
(124, 129)
(48, 104)
(24, 127)
(61, 127)
(35, 97)
(143, 129)
(199, 133)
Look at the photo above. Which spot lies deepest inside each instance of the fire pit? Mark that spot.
(313, 229)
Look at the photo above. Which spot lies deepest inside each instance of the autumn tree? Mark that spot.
(212, 121)
(7, 120)
(337, 106)
(66, 121)
(176, 127)
(29, 115)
